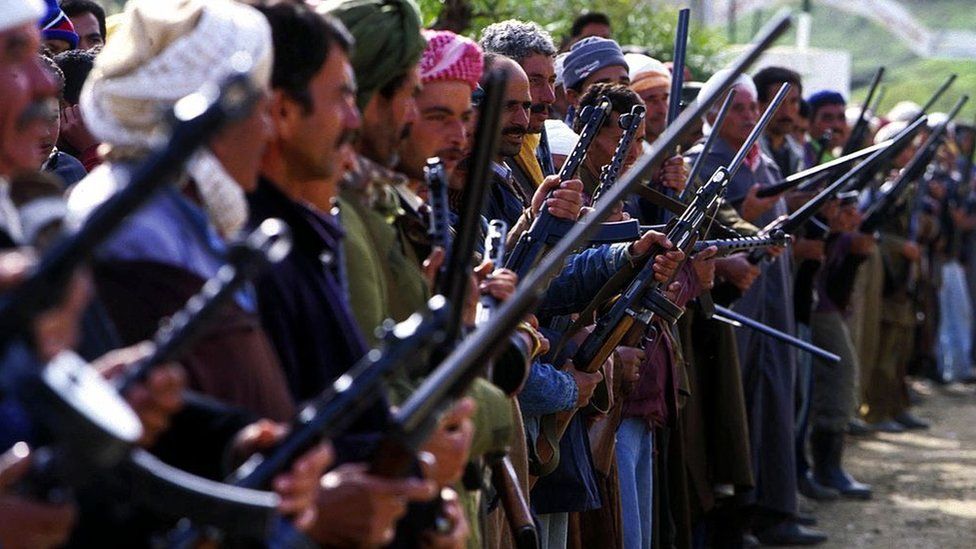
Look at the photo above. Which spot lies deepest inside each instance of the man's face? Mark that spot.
(441, 130)
(541, 71)
(787, 113)
(656, 100)
(240, 145)
(830, 117)
(89, 35)
(595, 29)
(741, 118)
(387, 121)
(515, 117)
(310, 141)
(604, 144)
(27, 92)
(51, 134)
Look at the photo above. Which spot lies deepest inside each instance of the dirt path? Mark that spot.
(924, 482)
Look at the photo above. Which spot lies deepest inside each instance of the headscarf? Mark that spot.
(14, 13)
(449, 56)
(161, 52)
(647, 72)
(388, 40)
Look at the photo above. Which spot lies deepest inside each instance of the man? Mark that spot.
(74, 137)
(313, 117)
(56, 30)
(450, 69)
(588, 23)
(593, 60)
(88, 19)
(68, 168)
(827, 120)
(651, 80)
(777, 140)
(532, 48)
(768, 367)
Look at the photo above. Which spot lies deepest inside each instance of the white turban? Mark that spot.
(743, 82)
(14, 13)
(162, 51)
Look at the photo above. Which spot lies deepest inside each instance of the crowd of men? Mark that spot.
(699, 434)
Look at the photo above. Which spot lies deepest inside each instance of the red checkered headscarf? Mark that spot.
(449, 56)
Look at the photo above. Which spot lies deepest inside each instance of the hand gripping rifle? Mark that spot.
(891, 193)
(642, 299)
(91, 431)
(546, 229)
(629, 123)
(196, 118)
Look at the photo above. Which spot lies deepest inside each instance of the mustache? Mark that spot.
(539, 108)
(41, 110)
(515, 130)
(452, 153)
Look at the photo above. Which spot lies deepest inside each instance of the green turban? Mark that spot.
(388, 40)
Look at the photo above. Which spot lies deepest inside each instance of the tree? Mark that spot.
(646, 23)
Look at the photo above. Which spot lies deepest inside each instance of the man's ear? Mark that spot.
(285, 114)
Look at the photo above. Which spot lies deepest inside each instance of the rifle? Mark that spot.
(546, 230)
(729, 246)
(510, 494)
(729, 316)
(439, 227)
(196, 118)
(629, 123)
(622, 321)
(881, 209)
(417, 416)
(856, 137)
(92, 431)
(811, 177)
(678, 64)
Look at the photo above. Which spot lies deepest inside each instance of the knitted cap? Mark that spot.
(449, 56)
(825, 97)
(14, 13)
(56, 26)
(388, 40)
(588, 56)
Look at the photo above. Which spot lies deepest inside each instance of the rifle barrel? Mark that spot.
(757, 131)
(696, 167)
(678, 64)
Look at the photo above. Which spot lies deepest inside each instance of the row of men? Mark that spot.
(703, 445)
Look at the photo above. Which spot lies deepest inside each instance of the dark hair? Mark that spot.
(621, 97)
(302, 41)
(78, 7)
(771, 76)
(55, 71)
(588, 18)
(804, 109)
(75, 65)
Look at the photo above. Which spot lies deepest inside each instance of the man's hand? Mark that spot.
(737, 270)
(27, 523)
(911, 251)
(451, 511)
(355, 508)
(809, 249)
(450, 444)
(433, 264)
(628, 360)
(674, 173)
(666, 264)
(73, 129)
(753, 206)
(154, 400)
(566, 199)
(704, 264)
(298, 486)
(585, 383)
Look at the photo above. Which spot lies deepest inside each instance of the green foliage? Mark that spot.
(917, 81)
(647, 23)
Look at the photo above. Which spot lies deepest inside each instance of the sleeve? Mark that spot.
(547, 391)
(582, 278)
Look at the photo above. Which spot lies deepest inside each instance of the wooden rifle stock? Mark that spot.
(513, 501)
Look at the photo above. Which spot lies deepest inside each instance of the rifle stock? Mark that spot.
(513, 501)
